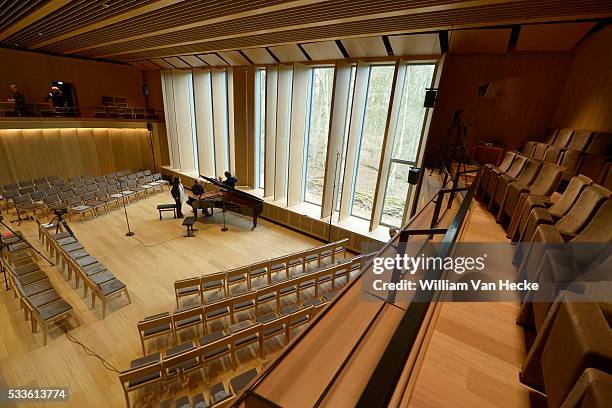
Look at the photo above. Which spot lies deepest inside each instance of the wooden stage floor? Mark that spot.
(148, 263)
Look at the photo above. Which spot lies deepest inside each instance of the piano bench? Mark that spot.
(188, 222)
(166, 207)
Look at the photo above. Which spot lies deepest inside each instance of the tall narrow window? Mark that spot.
(347, 122)
(260, 125)
(321, 89)
(194, 140)
(406, 141)
(371, 139)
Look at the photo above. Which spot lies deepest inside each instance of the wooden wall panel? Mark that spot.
(101, 139)
(585, 103)
(26, 154)
(530, 85)
(242, 147)
(33, 74)
(155, 99)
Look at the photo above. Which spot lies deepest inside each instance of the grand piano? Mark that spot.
(228, 198)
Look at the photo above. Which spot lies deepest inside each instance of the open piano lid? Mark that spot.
(231, 190)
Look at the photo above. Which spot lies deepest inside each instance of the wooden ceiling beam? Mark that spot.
(40, 13)
(442, 31)
(221, 19)
(121, 17)
(322, 23)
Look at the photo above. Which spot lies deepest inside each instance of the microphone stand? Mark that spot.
(130, 232)
(224, 229)
(333, 203)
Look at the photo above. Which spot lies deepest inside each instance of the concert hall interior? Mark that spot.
(304, 203)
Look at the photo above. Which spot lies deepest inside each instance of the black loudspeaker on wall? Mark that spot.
(430, 98)
(413, 175)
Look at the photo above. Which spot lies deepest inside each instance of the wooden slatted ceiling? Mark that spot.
(13, 11)
(387, 25)
(168, 18)
(551, 37)
(128, 30)
(317, 13)
(73, 15)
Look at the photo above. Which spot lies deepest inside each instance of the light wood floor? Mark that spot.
(148, 263)
(476, 350)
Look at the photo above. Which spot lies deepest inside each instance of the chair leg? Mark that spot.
(127, 399)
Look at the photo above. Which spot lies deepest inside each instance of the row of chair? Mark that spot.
(517, 176)
(76, 260)
(178, 362)
(46, 183)
(285, 296)
(82, 197)
(219, 394)
(563, 244)
(577, 151)
(302, 260)
(124, 112)
(40, 301)
(577, 328)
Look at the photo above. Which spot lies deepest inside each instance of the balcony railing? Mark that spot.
(44, 111)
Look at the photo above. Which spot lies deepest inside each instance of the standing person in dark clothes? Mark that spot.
(178, 193)
(19, 100)
(56, 96)
(229, 180)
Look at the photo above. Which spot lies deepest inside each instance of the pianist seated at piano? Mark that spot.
(197, 189)
(229, 180)
(223, 195)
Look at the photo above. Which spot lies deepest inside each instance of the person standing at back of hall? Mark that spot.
(178, 193)
(19, 100)
(56, 96)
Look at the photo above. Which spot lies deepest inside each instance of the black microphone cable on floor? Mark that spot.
(108, 366)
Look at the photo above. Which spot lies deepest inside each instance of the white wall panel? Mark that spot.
(283, 122)
(340, 104)
(299, 109)
(270, 153)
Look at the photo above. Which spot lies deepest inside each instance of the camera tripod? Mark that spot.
(453, 147)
